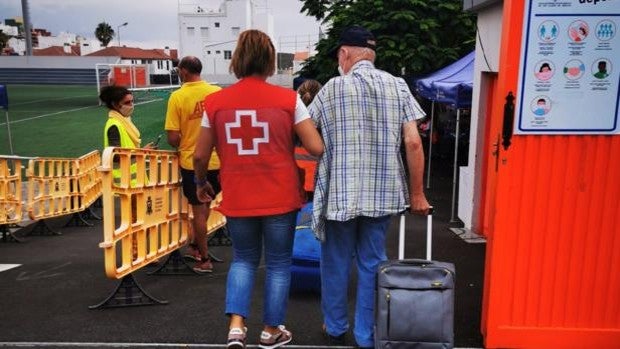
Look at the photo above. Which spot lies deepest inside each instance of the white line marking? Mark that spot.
(69, 111)
(149, 345)
(50, 114)
(159, 345)
(5, 267)
(43, 274)
(51, 99)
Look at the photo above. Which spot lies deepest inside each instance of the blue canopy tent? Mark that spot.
(4, 103)
(451, 85)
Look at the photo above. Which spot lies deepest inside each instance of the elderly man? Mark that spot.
(363, 116)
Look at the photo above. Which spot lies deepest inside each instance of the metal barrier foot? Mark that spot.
(90, 214)
(7, 234)
(128, 293)
(175, 264)
(41, 228)
(77, 220)
(214, 258)
(98, 203)
(220, 238)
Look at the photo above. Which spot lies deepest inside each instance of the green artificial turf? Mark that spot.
(67, 121)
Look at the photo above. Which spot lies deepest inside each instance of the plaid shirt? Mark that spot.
(361, 172)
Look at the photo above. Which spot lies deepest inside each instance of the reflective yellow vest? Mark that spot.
(126, 142)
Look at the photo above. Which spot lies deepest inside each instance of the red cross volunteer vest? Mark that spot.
(253, 125)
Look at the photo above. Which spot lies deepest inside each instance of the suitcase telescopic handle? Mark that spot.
(429, 235)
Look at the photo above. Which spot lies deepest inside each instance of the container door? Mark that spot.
(553, 257)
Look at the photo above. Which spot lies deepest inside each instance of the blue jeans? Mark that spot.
(248, 235)
(362, 238)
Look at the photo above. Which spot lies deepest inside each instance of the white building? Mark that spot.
(208, 29)
(486, 64)
(18, 45)
(88, 46)
(69, 39)
(60, 40)
(9, 30)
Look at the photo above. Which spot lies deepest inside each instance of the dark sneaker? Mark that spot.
(270, 341)
(236, 338)
(204, 266)
(334, 340)
(192, 253)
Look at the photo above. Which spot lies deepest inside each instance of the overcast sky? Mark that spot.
(152, 23)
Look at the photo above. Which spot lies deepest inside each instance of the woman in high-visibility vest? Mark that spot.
(119, 130)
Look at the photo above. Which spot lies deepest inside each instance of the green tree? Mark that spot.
(104, 33)
(414, 36)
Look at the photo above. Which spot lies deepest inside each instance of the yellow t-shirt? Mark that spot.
(184, 115)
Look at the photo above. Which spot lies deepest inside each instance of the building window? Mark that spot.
(190, 31)
(235, 31)
(217, 24)
(227, 54)
(218, 52)
(204, 32)
(208, 52)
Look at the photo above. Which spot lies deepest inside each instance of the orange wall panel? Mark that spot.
(553, 268)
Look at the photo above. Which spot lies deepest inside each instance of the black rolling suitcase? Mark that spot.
(415, 300)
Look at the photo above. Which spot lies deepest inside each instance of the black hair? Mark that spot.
(544, 65)
(112, 95)
(191, 64)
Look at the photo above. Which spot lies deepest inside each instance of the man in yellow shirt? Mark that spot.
(183, 125)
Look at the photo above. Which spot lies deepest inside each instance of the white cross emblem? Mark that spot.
(247, 132)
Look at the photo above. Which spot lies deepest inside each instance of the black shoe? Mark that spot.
(333, 340)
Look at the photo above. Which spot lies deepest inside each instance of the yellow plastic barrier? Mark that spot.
(89, 178)
(60, 186)
(10, 190)
(153, 212)
(216, 219)
(52, 187)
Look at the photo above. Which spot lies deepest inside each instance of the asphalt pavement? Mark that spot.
(44, 301)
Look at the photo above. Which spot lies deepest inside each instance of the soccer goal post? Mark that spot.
(127, 75)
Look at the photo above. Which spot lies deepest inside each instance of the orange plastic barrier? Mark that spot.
(153, 212)
(60, 186)
(89, 178)
(216, 219)
(10, 190)
(52, 187)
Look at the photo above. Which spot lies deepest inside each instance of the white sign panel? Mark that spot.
(569, 78)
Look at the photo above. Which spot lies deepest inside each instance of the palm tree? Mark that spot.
(104, 33)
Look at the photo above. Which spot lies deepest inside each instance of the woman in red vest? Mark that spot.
(252, 123)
